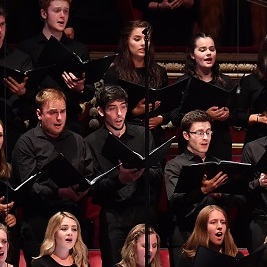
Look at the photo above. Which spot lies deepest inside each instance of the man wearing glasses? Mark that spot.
(196, 130)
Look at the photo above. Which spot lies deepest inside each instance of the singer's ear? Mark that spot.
(43, 14)
(185, 135)
(100, 111)
(38, 113)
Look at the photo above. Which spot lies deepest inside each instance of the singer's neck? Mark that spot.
(47, 32)
(139, 62)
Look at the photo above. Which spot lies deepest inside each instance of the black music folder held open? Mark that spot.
(170, 96)
(203, 95)
(57, 53)
(239, 175)
(205, 257)
(114, 149)
(35, 75)
(6, 188)
(64, 174)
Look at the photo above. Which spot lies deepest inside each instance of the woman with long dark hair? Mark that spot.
(130, 66)
(201, 63)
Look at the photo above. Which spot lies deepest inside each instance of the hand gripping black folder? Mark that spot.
(239, 175)
(115, 150)
(10, 192)
(203, 95)
(57, 53)
(206, 257)
(170, 96)
(35, 75)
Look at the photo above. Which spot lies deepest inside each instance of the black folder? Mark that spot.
(261, 165)
(170, 96)
(66, 60)
(203, 95)
(35, 75)
(206, 257)
(114, 149)
(238, 176)
(64, 174)
(6, 188)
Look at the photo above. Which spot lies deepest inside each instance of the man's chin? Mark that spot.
(117, 128)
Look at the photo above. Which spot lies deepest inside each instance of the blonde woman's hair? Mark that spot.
(128, 251)
(79, 252)
(5, 168)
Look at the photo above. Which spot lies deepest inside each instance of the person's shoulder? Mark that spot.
(73, 43)
(41, 261)
(184, 260)
(95, 135)
(226, 77)
(17, 53)
(134, 128)
(32, 40)
(183, 76)
(250, 79)
(76, 135)
(177, 160)
(162, 69)
(250, 76)
(257, 143)
(27, 134)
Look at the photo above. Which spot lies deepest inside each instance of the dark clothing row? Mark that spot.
(33, 150)
(122, 205)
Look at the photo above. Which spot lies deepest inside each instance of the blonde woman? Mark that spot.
(63, 244)
(3, 246)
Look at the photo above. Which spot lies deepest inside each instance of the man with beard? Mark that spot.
(121, 195)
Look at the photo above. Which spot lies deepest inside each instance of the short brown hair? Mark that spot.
(194, 116)
(44, 4)
(48, 94)
(110, 93)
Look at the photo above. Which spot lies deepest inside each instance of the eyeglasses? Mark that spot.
(201, 133)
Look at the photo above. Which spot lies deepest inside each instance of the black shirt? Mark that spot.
(252, 153)
(110, 192)
(32, 151)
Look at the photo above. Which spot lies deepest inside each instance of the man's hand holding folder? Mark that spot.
(230, 177)
(72, 192)
(208, 186)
